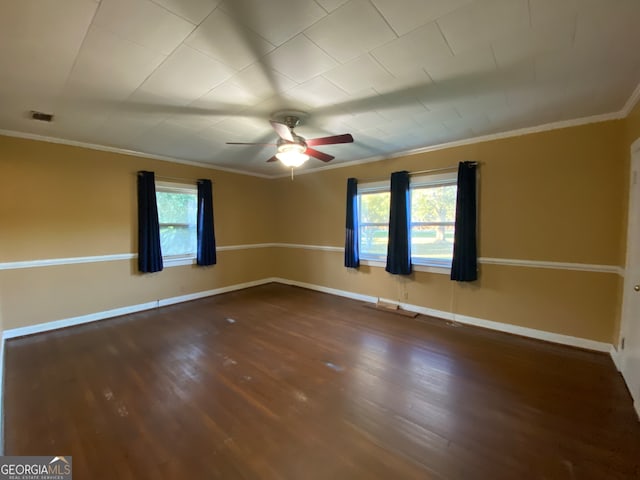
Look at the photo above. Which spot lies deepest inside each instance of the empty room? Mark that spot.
(319, 239)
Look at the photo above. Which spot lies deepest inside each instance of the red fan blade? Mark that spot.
(272, 159)
(249, 143)
(282, 130)
(346, 138)
(319, 155)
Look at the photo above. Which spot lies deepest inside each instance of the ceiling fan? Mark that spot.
(293, 150)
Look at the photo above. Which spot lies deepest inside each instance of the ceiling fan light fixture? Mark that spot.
(292, 154)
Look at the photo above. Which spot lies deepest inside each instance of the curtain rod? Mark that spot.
(176, 179)
(418, 172)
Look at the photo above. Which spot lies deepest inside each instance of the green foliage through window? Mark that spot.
(177, 212)
(433, 210)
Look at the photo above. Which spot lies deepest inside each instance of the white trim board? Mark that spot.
(116, 312)
(465, 319)
(479, 322)
(622, 113)
(324, 248)
(468, 141)
(66, 261)
(124, 151)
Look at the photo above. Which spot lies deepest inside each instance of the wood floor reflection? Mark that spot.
(278, 382)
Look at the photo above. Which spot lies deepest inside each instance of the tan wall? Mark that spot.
(553, 196)
(59, 201)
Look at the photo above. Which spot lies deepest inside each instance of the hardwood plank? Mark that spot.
(300, 384)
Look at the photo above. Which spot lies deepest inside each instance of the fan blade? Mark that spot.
(282, 130)
(245, 143)
(272, 159)
(319, 155)
(346, 138)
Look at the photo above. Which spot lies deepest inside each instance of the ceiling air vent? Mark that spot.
(43, 117)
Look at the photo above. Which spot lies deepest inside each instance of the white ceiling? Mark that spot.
(179, 78)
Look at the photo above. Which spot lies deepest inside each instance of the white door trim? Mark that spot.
(628, 294)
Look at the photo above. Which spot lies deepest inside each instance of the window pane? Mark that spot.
(433, 204)
(177, 216)
(177, 207)
(176, 240)
(374, 207)
(373, 240)
(432, 243)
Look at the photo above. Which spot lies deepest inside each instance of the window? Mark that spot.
(373, 222)
(433, 214)
(177, 214)
(433, 209)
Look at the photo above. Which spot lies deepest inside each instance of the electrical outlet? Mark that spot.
(622, 344)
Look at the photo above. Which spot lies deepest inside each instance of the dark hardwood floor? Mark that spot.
(303, 385)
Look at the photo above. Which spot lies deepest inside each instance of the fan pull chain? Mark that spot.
(292, 174)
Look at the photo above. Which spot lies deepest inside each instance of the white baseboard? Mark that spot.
(332, 291)
(116, 312)
(478, 322)
(615, 356)
(215, 291)
(501, 327)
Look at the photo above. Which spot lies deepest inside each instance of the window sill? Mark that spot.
(178, 261)
(416, 267)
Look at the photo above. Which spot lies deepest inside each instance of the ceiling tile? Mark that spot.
(39, 42)
(143, 22)
(163, 139)
(406, 15)
(261, 82)
(227, 98)
(359, 74)
(186, 75)
(438, 116)
(545, 11)
(464, 67)
(275, 20)
(350, 31)
(300, 59)
(481, 22)
(219, 38)
(608, 26)
(317, 92)
(331, 5)
(416, 80)
(195, 11)
(414, 51)
(121, 128)
(534, 41)
(130, 64)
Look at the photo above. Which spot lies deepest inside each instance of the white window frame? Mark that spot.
(372, 187)
(419, 264)
(173, 187)
(427, 181)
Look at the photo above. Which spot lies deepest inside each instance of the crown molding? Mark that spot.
(631, 102)
(622, 113)
(124, 151)
(605, 117)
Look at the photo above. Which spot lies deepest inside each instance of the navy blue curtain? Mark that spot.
(399, 248)
(464, 267)
(206, 234)
(351, 246)
(149, 252)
